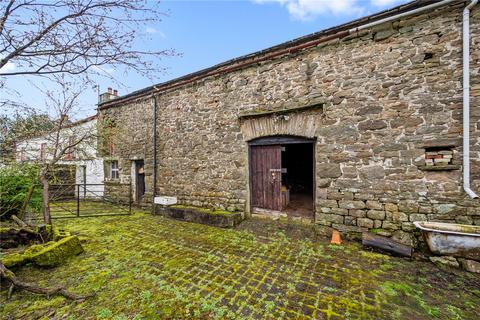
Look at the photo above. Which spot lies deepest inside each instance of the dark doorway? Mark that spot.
(297, 178)
(282, 175)
(139, 180)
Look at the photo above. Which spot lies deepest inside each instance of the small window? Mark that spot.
(114, 175)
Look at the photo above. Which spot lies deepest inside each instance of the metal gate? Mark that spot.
(86, 200)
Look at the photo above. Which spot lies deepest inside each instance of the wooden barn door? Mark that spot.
(266, 176)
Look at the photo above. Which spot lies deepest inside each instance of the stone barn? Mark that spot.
(356, 127)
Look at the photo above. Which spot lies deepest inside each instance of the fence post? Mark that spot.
(130, 198)
(78, 200)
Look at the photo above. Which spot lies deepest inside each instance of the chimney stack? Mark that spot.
(109, 95)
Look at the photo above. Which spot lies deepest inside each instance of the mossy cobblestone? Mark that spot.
(149, 267)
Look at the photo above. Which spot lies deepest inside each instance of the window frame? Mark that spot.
(113, 170)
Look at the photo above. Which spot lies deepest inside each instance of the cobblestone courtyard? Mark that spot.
(148, 267)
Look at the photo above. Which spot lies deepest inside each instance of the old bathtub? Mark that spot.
(451, 239)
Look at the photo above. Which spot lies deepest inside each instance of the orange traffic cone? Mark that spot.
(336, 239)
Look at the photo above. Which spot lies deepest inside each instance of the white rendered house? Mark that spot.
(78, 143)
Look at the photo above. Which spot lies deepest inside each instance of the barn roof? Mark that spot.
(263, 55)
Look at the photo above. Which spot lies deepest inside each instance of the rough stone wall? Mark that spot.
(389, 93)
(125, 135)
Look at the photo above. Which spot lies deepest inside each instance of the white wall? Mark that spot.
(85, 153)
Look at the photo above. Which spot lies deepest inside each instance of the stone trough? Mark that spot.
(217, 218)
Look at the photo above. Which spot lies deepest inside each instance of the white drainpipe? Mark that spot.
(466, 100)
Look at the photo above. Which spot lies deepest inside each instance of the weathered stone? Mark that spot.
(376, 214)
(332, 218)
(408, 226)
(350, 221)
(324, 203)
(463, 220)
(399, 216)
(390, 225)
(340, 211)
(358, 213)
(404, 237)
(418, 217)
(365, 222)
(470, 265)
(391, 207)
(408, 206)
(324, 182)
(329, 170)
(351, 204)
(372, 125)
(445, 260)
(384, 34)
(373, 204)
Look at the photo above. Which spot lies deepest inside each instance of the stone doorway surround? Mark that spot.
(299, 121)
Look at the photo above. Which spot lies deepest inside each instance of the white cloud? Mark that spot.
(383, 3)
(150, 30)
(308, 9)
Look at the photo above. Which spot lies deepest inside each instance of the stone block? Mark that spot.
(358, 213)
(408, 227)
(329, 170)
(398, 216)
(332, 218)
(373, 204)
(390, 225)
(391, 207)
(350, 221)
(463, 220)
(339, 211)
(376, 214)
(470, 265)
(365, 222)
(372, 172)
(417, 217)
(327, 203)
(446, 261)
(404, 237)
(351, 204)
(408, 206)
(372, 125)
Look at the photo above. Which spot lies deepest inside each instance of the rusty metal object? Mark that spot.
(451, 239)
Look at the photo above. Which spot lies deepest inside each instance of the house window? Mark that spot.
(114, 174)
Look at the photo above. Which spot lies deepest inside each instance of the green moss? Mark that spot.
(55, 253)
(157, 268)
(14, 259)
(50, 254)
(205, 210)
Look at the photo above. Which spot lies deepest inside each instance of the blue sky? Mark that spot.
(210, 32)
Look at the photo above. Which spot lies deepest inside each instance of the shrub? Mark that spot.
(15, 180)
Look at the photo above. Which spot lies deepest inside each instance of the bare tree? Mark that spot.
(62, 140)
(76, 37)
